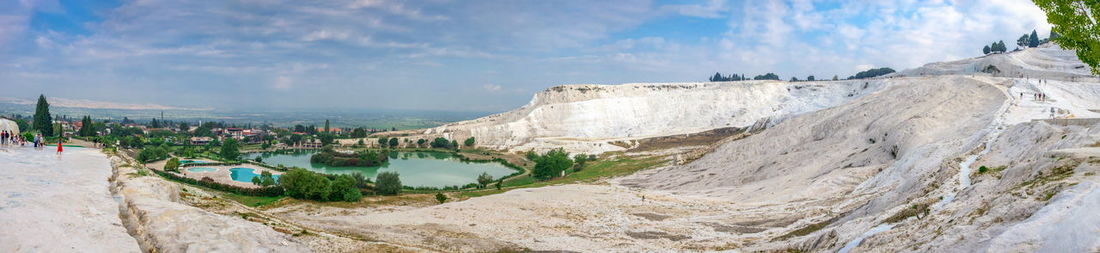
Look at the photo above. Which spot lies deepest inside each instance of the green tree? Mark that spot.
(440, 142)
(359, 132)
(383, 141)
(985, 50)
(1033, 41)
(343, 189)
(420, 142)
(484, 179)
(266, 179)
(360, 181)
(23, 126)
(454, 144)
(326, 138)
(172, 164)
(87, 128)
(1022, 41)
(552, 164)
(393, 142)
(42, 120)
(388, 183)
(1076, 23)
(230, 150)
(810, 78)
(327, 126)
(440, 197)
(303, 184)
(469, 142)
(580, 160)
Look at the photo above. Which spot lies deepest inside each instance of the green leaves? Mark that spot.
(1075, 21)
(552, 164)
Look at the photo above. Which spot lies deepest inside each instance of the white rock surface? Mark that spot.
(51, 203)
(160, 221)
(840, 167)
(1070, 223)
(584, 118)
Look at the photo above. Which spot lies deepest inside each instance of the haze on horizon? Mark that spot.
(462, 55)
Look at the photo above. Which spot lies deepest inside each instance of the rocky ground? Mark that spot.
(52, 203)
(894, 169)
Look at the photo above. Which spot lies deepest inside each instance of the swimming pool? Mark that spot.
(201, 169)
(182, 162)
(246, 175)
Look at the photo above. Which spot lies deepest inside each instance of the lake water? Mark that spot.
(434, 169)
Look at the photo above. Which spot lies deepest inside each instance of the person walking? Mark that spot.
(59, 146)
(37, 140)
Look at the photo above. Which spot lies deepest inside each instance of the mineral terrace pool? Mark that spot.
(202, 169)
(246, 175)
(432, 169)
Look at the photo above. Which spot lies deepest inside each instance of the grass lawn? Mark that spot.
(251, 201)
(618, 166)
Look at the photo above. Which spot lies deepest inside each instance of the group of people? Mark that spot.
(11, 138)
(1038, 96)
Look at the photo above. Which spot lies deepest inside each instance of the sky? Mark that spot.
(462, 55)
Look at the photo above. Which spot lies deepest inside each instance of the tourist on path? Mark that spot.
(59, 146)
(37, 140)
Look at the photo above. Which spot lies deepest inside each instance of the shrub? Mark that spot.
(266, 179)
(982, 169)
(152, 154)
(304, 184)
(388, 183)
(440, 197)
(552, 164)
(172, 164)
(360, 181)
(343, 189)
(441, 142)
(469, 142)
(484, 179)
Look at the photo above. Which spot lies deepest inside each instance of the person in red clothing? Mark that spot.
(59, 149)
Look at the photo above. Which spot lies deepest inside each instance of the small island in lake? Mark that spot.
(331, 157)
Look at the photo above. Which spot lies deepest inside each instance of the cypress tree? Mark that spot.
(42, 120)
(326, 126)
(1034, 40)
(986, 49)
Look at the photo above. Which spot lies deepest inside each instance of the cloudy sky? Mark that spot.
(478, 55)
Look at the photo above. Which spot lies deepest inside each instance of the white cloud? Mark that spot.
(492, 87)
(282, 83)
(710, 9)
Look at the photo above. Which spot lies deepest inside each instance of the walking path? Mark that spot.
(51, 203)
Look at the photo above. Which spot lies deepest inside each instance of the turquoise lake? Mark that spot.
(433, 169)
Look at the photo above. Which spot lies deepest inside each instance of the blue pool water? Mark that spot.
(182, 162)
(201, 169)
(246, 175)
